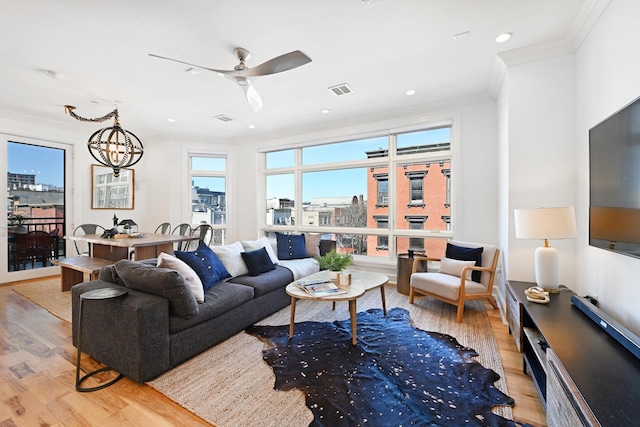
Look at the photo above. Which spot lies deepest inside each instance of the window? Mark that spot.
(416, 223)
(383, 241)
(416, 189)
(383, 189)
(209, 194)
(361, 195)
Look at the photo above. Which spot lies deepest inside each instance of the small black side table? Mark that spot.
(403, 273)
(97, 294)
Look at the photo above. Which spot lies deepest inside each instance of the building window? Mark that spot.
(416, 188)
(382, 221)
(382, 181)
(416, 223)
(447, 175)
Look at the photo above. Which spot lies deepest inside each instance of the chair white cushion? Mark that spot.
(454, 267)
(488, 254)
(444, 285)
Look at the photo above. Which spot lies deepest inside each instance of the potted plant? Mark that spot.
(16, 219)
(334, 262)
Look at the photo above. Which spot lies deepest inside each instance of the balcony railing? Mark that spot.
(52, 226)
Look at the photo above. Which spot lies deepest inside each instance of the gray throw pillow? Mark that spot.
(163, 282)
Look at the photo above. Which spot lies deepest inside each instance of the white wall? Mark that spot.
(542, 170)
(608, 66)
(475, 163)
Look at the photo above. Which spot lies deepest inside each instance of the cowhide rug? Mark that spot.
(396, 375)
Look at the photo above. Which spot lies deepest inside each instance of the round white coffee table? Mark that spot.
(361, 282)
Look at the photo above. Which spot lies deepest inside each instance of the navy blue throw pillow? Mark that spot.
(258, 261)
(206, 264)
(466, 254)
(291, 246)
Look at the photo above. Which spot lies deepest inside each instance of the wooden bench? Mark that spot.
(79, 269)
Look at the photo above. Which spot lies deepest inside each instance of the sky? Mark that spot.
(339, 183)
(47, 164)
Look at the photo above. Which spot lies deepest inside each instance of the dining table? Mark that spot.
(141, 245)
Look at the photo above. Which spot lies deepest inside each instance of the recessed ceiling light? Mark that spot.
(503, 37)
(53, 74)
(171, 120)
(325, 111)
(252, 126)
(411, 92)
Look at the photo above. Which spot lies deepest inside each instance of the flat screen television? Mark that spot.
(614, 182)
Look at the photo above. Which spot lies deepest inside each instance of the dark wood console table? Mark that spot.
(583, 375)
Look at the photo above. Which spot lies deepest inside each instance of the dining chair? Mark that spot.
(183, 229)
(83, 248)
(204, 233)
(164, 228)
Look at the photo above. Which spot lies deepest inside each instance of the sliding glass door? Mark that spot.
(33, 229)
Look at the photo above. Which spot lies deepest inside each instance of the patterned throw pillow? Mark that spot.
(206, 265)
(291, 246)
(195, 284)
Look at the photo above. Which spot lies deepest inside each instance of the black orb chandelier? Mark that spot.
(112, 146)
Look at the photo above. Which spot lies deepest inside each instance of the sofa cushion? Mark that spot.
(263, 242)
(206, 265)
(267, 282)
(218, 299)
(257, 261)
(195, 284)
(291, 246)
(164, 282)
(312, 244)
(454, 267)
(466, 254)
(230, 257)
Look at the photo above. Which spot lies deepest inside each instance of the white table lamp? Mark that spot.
(545, 224)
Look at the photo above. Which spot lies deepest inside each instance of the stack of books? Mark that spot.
(320, 287)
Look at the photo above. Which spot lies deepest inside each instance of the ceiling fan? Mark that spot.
(241, 73)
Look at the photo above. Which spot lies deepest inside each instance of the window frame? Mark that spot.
(391, 161)
(223, 229)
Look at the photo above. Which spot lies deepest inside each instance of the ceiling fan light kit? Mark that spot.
(241, 72)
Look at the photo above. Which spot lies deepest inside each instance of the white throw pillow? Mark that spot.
(263, 242)
(195, 284)
(230, 257)
(454, 267)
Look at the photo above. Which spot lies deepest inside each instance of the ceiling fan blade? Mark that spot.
(281, 63)
(252, 96)
(224, 72)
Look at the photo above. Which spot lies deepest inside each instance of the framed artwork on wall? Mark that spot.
(109, 191)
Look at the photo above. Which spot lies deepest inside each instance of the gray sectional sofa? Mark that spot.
(146, 332)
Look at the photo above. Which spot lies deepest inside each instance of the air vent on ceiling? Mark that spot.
(341, 89)
(223, 118)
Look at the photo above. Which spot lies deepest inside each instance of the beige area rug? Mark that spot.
(230, 384)
(47, 294)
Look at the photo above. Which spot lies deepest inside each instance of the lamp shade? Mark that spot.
(545, 223)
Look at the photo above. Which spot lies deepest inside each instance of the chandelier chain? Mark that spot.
(69, 110)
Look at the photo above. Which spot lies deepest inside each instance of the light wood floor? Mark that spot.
(37, 376)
